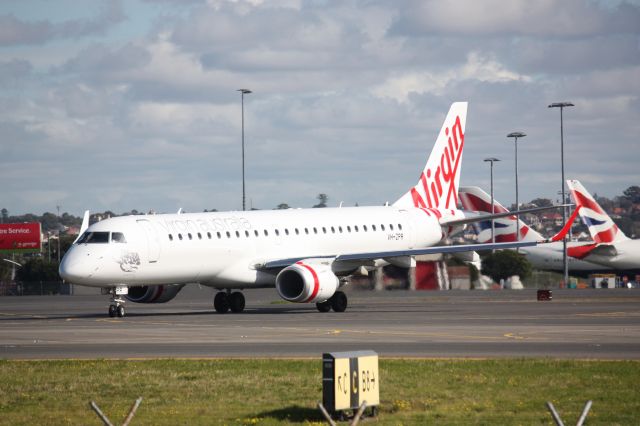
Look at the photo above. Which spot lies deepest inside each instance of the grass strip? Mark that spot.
(269, 392)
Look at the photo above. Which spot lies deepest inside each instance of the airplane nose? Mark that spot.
(75, 269)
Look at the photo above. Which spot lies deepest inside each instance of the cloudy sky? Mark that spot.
(120, 105)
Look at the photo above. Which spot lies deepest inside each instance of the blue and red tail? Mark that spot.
(475, 199)
(601, 227)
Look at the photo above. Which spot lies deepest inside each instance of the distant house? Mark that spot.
(73, 230)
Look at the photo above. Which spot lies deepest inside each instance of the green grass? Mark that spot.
(237, 392)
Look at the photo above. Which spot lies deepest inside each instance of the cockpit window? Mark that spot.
(94, 238)
(118, 237)
(82, 239)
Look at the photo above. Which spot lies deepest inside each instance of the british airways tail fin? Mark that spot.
(601, 227)
(437, 186)
(475, 199)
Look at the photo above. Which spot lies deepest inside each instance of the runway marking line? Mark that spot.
(610, 314)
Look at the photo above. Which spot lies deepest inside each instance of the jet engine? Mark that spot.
(311, 280)
(153, 294)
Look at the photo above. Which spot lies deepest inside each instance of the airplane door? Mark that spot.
(153, 243)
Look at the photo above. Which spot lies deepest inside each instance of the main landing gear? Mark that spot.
(225, 300)
(337, 302)
(116, 308)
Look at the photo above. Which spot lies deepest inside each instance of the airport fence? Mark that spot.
(34, 288)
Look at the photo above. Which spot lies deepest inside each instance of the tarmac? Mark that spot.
(576, 324)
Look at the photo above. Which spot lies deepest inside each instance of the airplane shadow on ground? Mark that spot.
(280, 310)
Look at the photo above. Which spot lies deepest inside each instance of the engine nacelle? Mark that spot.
(153, 294)
(311, 280)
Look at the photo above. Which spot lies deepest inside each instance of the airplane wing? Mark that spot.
(346, 257)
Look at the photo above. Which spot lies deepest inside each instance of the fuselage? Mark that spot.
(548, 257)
(226, 249)
(626, 258)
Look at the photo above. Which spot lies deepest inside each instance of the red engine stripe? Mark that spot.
(316, 282)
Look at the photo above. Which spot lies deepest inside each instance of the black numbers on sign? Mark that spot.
(368, 380)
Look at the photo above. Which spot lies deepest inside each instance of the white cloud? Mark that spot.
(476, 68)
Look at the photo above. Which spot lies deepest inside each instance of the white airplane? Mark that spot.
(611, 247)
(305, 253)
(547, 257)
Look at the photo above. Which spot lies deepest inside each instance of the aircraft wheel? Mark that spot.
(120, 311)
(324, 306)
(339, 301)
(236, 302)
(112, 310)
(221, 302)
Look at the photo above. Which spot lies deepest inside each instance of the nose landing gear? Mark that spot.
(116, 308)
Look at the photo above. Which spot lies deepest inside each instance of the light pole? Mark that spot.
(493, 229)
(517, 135)
(565, 262)
(242, 93)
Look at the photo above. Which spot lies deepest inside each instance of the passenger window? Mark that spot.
(266, 233)
(199, 236)
(180, 237)
(306, 231)
(373, 227)
(256, 233)
(277, 233)
(228, 234)
(382, 227)
(400, 226)
(324, 230)
(391, 226)
(364, 228)
(170, 237)
(315, 230)
(355, 228)
(333, 230)
(297, 232)
(118, 237)
(286, 231)
(237, 234)
(340, 229)
(348, 228)
(209, 235)
(219, 235)
(190, 236)
(246, 233)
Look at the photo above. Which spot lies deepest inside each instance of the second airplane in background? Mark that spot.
(547, 257)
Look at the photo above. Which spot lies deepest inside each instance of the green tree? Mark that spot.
(632, 193)
(282, 206)
(38, 269)
(542, 202)
(503, 264)
(323, 198)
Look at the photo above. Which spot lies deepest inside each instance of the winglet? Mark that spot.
(565, 229)
(84, 226)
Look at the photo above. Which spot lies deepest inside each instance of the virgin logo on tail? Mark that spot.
(437, 187)
(444, 174)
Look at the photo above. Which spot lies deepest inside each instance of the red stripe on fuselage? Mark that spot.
(316, 282)
(580, 252)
